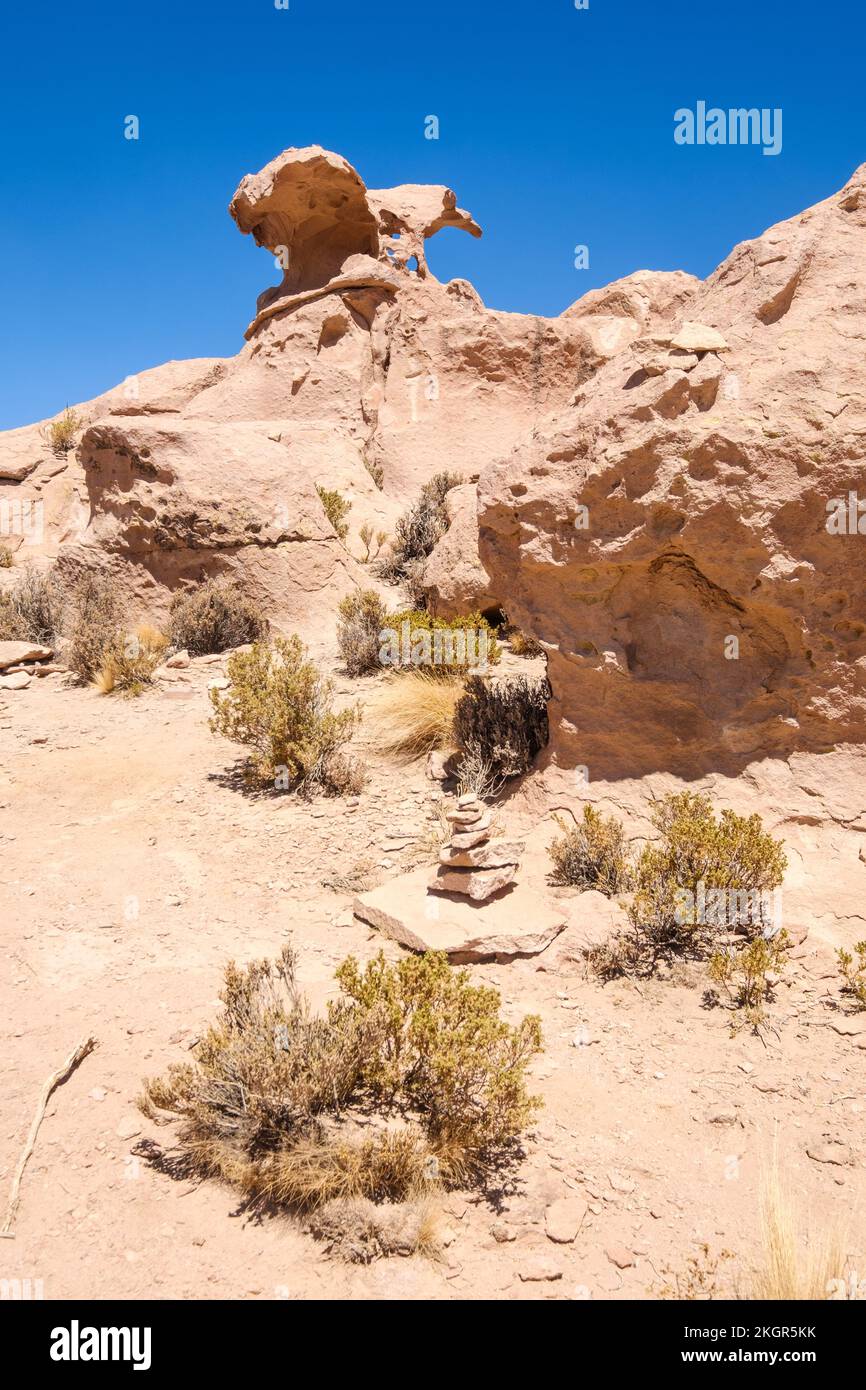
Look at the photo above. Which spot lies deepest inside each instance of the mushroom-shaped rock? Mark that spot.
(309, 207)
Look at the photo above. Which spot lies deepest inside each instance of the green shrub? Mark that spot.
(591, 854)
(279, 705)
(418, 530)
(279, 1101)
(362, 616)
(336, 509)
(505, 722)
(747, 973)
(214, 616)
(701, 876)
(5, 557)
(853, 970)
(30, 612)
(415, 638)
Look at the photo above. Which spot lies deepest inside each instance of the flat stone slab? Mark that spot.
(520, 921)
(13, 653)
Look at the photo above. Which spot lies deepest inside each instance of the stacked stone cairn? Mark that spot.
(472, 864)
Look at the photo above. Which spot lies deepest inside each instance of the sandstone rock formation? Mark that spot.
(666, 536)
(647, 475)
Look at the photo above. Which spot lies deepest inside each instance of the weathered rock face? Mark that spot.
(361, 372)
(647, 475)
(666, 537)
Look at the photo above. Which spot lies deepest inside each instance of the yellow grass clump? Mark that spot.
(129, 662)
(795, 1264)
(414, 713)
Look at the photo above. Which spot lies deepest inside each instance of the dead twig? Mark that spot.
(72, 1061)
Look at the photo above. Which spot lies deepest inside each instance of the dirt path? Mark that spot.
(132, 868)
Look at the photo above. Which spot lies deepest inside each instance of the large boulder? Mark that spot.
(671, 538)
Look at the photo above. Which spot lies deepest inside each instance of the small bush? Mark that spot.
(376, 471)
(61, 432)
(129, 662)
(214, 616)
(521, 643)
(336, 509)
(369, 538)
(30, 612)
(853, 970)
(362, 616)
(413, 713)
(279, 705)
(415, 638)
(418, 530)
(359, 1231)
(5, 557)
(93, 617)
(411, 1082)
(476, 776)
(505, 720)
(591, 854)
(746, 974)
(728, 865)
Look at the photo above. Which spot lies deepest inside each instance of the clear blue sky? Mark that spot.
(556, 128)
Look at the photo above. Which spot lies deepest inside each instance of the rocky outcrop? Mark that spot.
(670, 537)
(653, 466)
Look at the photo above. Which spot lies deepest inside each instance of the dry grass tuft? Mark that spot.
(414, 713)
(795, 1265)
(129, 662)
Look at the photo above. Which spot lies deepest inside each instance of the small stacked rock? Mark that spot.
(472, 864)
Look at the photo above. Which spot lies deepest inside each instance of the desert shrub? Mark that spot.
(413, 712)
(701, 876)
(359, 1231)
(376, 471)
(336, 509)
(130, 660)
(30, 612)
(418, 530)
(506, 720)
(362, 616)
(279, 705)
(93, 619)
(476, 775)
(5, 557)
(853, 971)
(61, 432)
(521, 643)
(412, 1081)
(591, 853)
(457, 643)
(369, 538)
(746, 973)
(214, 616)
